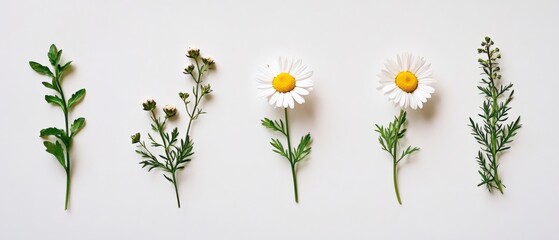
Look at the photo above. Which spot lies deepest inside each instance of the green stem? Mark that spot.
(493, 123)
(395, 175)
(196, 96)
(176, 190)
(291, 161)
(394, 154)
(68, 166)
(293, 173)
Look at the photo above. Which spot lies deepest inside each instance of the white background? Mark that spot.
(236, 187)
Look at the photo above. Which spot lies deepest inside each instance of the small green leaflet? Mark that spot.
(55, 100)
(56, 150)
(40, 69)
(78, 124)
(76, 97)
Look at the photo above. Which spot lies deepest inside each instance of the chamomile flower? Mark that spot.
(285, 83)
(407, 81)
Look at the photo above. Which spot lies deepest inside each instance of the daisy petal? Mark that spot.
(304, 83)
(286, 97)
(301, 91)
(279, 102)
(290, 101)
(268, 92)
(274, 98)
(303, 76)
(297, 97)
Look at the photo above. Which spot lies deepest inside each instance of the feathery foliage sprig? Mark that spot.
(494, 134)
(60, 148)
(389, 140)
(292, 154)
(177, 152)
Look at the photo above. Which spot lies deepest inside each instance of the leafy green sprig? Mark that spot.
(389, 140)
(176, 153)
(494, 135)
(60, 148)
(293, 155)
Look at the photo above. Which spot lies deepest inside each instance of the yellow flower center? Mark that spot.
(406, 81)
(283, 82)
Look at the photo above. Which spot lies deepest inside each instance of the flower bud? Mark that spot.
(208, 61)
(149, 104)
(170, 111)
(193, 52)
(184, 96)
(189, 69)
(206, 89)
(135, 138)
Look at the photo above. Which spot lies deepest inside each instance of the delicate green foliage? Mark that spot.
(494, 135)
(390, 136)
(57, 149)
(76, 97)
(303, 149)
(78, 124)
(389, 141)
(56, 101)
(176, 153)
(274, 125)
(293, 155)
(40, 69)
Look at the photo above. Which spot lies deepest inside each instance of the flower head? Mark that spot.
(149, 104)
(170, 111)
(285, 84)
(208, 61)
(135, 138)
(193, 52)
(406, 81)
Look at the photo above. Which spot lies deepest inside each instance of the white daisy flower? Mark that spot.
(285, 84)
(407, 81)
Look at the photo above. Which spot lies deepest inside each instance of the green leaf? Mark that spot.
(51, 132)
(278, 147)
(169, 179)
(304, 148)
(56, 150)
(78, 124)
(64, 67)
(40, 69)
(274, 125)
(48, 85)
(76, 97)
(55, 100)
(54, 55)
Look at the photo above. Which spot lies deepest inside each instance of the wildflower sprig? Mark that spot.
(176, 152)
(389, 140)
(494, 134)
(60, 148)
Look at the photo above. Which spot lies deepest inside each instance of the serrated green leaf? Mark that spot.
(51, 132)
(56, 150)
(40, 69)
(78, 124)
(55, 100)
(76, 97)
